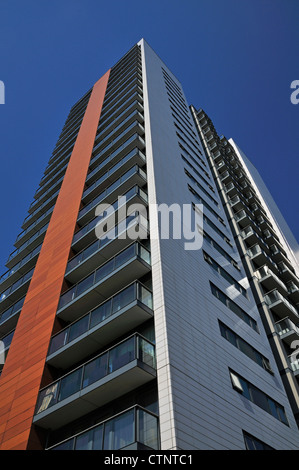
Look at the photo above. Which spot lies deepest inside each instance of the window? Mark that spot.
(252, 443)
(258, 397)
(245, 347)
(214, 227)
(201, 187)
(220, 250)
(233, 307)
(198, 174)
(224, 273)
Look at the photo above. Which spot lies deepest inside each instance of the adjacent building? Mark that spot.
(133, 339)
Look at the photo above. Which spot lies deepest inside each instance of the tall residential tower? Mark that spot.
(147, 342)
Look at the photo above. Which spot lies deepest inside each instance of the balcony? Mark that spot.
(24, 264)
(242, 218)
(207, 131)
(86, 235)
(257, 209)
(225, 177)
(103, 137)
(126, 266)
(28, 246)
(116, 316)
(287, 272)
(217, 156)
(115, 372)
(270, 281)
(9, 318)
(210, 138)
(134, 176)
(116, 239)
(221, 167)
(213, 146)
(263, 222)
(270, 236)
(134, 429)
(279, 254)
(132, 158)
(230, 189)
(260, 257)
(42, 209)
(250, 236)
(281, 306)
(287, 330)
(16, 290)
(115, 144)
(27, 235)
(293, 290)
(236, 203)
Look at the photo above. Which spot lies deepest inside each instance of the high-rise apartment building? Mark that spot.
(147, 341)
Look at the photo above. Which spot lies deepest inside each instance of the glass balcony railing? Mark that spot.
(128, 174)
(42, 206)
(136, 249)
(133, 426)
(256, 250)
(132, 348)
(37, 221)
(242, 215)
(113, 234)
(49, 183)
(117, 139)
(34, 235)
(265, 271)
(112, 170)
(286, 326)
(115, 152)
(28, 242)
(40, 198)
(23, 261)
(135, 99)
(101, 140)
(135, 190)
(132, 293)
(103, 128)
(292, 287)
(274, 297)
(16, 285)
(15, 308)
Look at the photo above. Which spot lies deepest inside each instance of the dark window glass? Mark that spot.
(84, 285)
(252, 443)
(122, 354)
(95, 370)
(84, 441)
(78, 328)
(259, 398)
(67, 445)
(119, 432)
(70, 384)
(100, 313)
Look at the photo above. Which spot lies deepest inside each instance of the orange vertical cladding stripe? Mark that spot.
(21, 377)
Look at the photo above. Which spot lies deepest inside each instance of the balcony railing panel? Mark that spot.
(133, 426)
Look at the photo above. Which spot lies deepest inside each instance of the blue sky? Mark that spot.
(235, 58)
